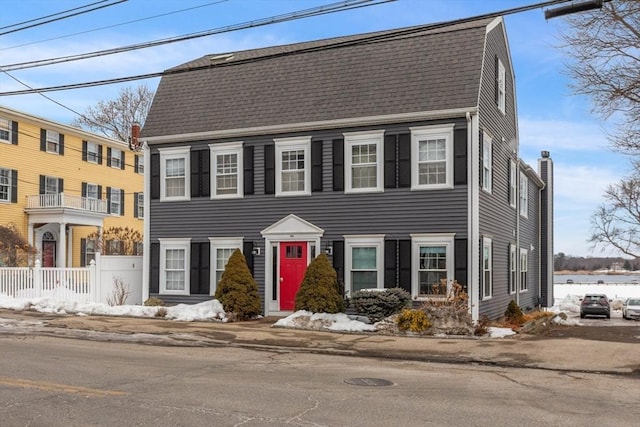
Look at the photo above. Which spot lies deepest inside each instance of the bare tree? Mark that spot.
(604, 46)
(113, 118)
(14, 248)
(117, 241)
(616, 222)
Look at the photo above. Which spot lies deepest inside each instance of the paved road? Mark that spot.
(53, 382)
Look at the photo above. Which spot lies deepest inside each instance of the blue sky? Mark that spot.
(550, 117)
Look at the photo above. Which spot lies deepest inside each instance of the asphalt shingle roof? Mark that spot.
(390, 72)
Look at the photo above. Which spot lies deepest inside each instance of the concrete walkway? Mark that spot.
(526, 351)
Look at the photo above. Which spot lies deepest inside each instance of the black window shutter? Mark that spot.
(338, 164)
(60, 185)
(460, 157)
(155, 176)
(84, 189)
(121, 202)
(481, 159)
(108, 199)
(390, 263)
(390, 161)
(135, 205)
(404, 160)
(99, 192)
(43, 140)
(248, 169)
(404, 270)
(194, 282)
(122, 159)
(269, 169)
(460, 262)
(61, 144)
(338, 259)
(135, 163)
(14, 186)
(83, 250)
(205, 278)
(205, 173)
(196, 168)
(42, 184)
(154, 270)
(84, 151)
(497, 81)
(316, 165)
(108, 156)
(14, 133)
(99, 154)
(247, 250)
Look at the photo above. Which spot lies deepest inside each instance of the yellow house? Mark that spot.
(59, 183)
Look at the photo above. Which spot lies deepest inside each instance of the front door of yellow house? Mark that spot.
(293, 264)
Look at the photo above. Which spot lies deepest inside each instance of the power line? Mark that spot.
(62, 17)
(340, 44)
(315, 11)
(49, 16)
(115, 25)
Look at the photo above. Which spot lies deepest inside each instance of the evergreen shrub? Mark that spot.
(413, 321)
(319, 291)
(237, 290)
(378, 304)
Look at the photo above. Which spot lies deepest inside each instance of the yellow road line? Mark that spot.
(60, 388)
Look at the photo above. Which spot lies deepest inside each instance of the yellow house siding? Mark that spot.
(31, 163)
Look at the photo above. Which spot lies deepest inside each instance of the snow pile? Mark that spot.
(324, 321)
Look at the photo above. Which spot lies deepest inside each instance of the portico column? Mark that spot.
(62, 245)
(30, 239)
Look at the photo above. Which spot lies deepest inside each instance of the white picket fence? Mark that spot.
(78, 284)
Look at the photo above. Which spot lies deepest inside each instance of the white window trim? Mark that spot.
(435, 239)
(524, 268)
(359, 138)
(350, 242)
(90, 153)
(56, 142)
(140, 205)
(487, 163)
(502, 90)
(290, 144)
(417, 133)
(175, 243)
(513, 185)
(116, 161)
(9, 185)
(97, 188)
(9, 130)
(220, 243)
(140, 164)
(513, 269)
(175, 153)
(222, 149)
(56, 180)
(524, 195)
(487, 243)
(118, 191)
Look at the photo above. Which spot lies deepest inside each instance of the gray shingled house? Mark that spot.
(395, 153)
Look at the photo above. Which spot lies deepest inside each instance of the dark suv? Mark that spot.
(595, 304)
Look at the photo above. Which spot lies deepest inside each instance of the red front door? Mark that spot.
(48, 254)
(293, 264)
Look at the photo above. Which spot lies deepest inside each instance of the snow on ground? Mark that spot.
(213, 310)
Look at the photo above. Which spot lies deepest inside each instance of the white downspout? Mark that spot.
(473, 205)
(146, 246)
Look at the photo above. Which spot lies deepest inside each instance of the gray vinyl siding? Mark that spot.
(529, 237)
(396, 213)
(546, 234)
(497, 219)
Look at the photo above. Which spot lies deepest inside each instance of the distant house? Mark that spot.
(395, 153)
(58, 184)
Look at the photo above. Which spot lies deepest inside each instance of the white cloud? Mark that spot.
(562, 134)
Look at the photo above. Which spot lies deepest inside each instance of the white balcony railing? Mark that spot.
(61, 200)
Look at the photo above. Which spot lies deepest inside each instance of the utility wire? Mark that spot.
(61, 17)
(49, 16)
(340, 44)
(115, 25)
(320, 10)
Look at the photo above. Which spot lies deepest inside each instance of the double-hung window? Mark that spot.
(52, 141)
(93, 152)
(487, 269)
(5, 185)
(363, 259)
(513, 184)
(364, 158)
(486, 163)
(432, 154)
(174, 171)
(227, 163)
(501, 86)
(51, 185)
(139, 164)
(174, 265)
(115, 201)
(524, 267)
(5, 130)
(116, 158)
(139, 205)
(513, 265)
(432, 256)
(221, 250)
(524, 195)
(293, 166)
(92, 191)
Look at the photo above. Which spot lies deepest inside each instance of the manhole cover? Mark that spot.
(369, 382)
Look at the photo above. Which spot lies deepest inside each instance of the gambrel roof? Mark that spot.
(416, 69)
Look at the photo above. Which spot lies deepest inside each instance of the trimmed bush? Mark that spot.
(153, 301)
(378, 304)
(513, 314)
(237, 290)
(318, 292)
(413, 321)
